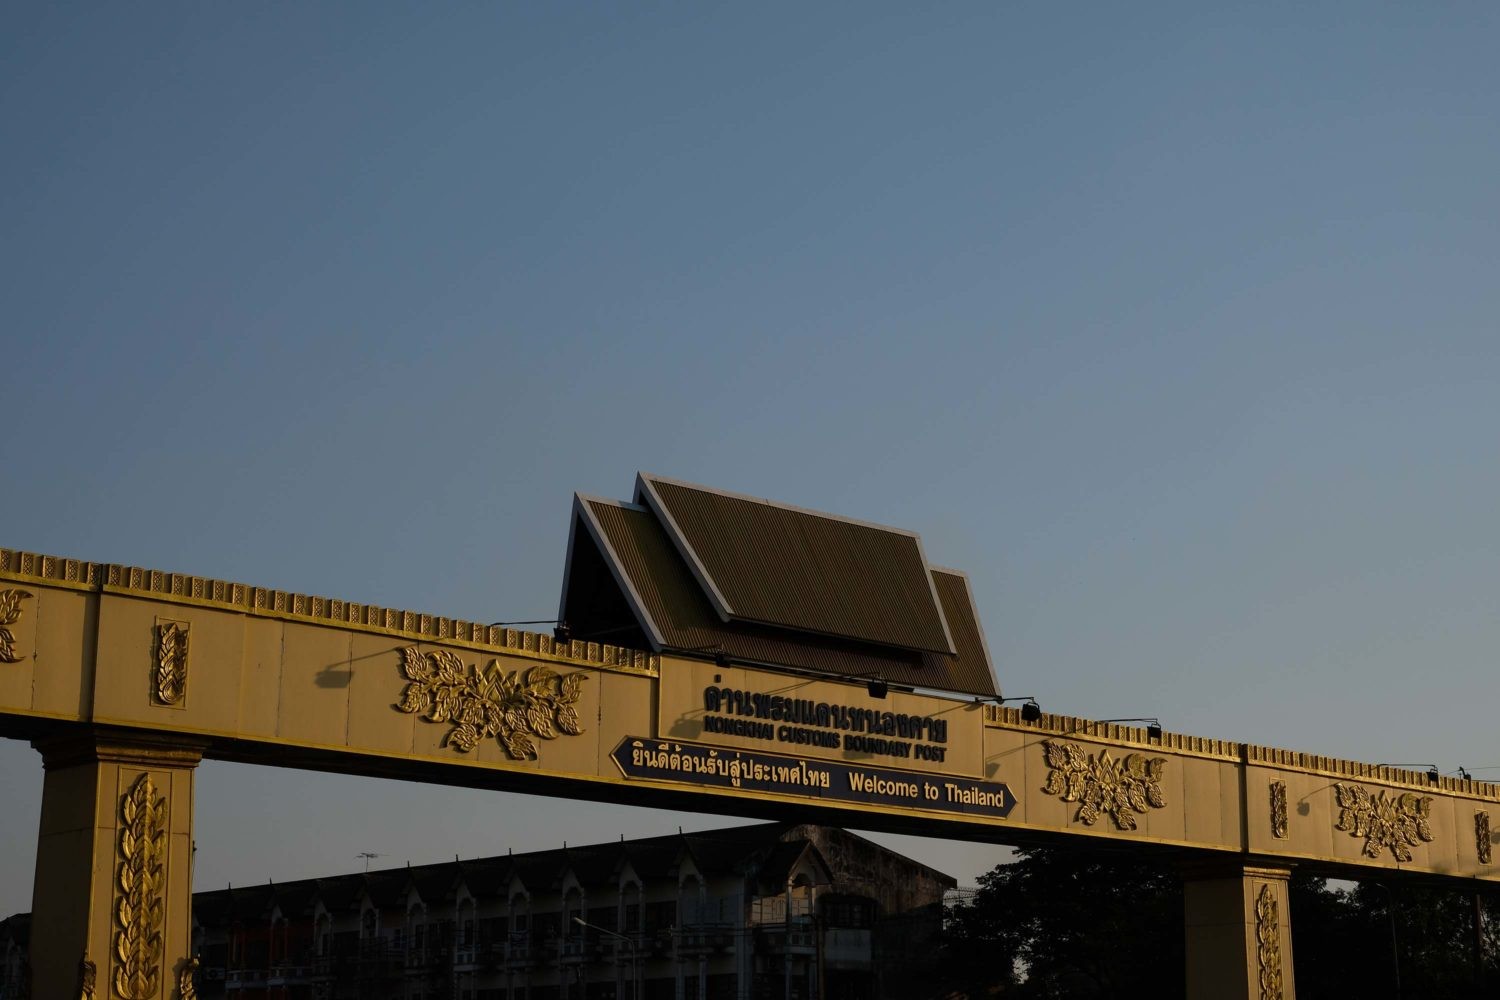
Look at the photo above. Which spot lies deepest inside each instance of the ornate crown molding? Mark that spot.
(183, 589)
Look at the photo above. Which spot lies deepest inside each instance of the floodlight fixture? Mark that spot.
(1153, 725)
(1030, 710)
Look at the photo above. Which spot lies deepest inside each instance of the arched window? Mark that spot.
(799, 899)
(629, 920)
(692, 901)
(466, 940)
(416, 931)
(323, 934)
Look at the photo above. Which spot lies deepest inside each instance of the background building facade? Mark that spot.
(766, 911)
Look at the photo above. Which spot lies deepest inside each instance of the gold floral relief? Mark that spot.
(515, 709)
(1482, 836)
(141, 882)
(1398, 822)
(10, 613)
(185, 988)
(1268, 939)
(1278, 810)
(88, 975)
(171, 662)
(1103, 785)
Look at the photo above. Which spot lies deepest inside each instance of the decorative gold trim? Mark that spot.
(484, 703)
(170, 685)
(1102, 784)
(181, 589)
(10, 613)
(1482, 836)
(1278, 810)
(88, 975)
(140, 906)
(185, 988)
(1268, 936)
(1398, 823)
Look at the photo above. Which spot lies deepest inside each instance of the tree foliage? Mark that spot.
(1059, 924)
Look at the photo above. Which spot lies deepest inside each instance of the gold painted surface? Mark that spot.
(1398, 822)
(139, 906)
(10, 613)
(515, 709)
(170, 678)
(276, 684)
(1482, 836)
(1268, 939)
(1102, 785)
(1279, 822)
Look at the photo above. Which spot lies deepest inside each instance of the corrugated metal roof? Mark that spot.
(677, 614)
(783, 566)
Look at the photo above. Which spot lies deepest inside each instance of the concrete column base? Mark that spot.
(1238, 924)
(112, 901)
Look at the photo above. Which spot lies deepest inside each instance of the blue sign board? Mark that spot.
(700, 764)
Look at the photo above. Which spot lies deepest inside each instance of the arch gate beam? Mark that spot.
(123, 677)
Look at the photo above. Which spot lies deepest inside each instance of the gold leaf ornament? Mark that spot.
(139, 906)
(1268, 939)
(515, 710)
(171, 662)
(1103, 785)
(10, 613)
(1397, 823)
(186, 990)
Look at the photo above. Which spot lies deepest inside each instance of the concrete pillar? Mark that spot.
(112, 900)
(1238, 923)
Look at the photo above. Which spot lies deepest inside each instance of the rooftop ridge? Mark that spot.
(97, 576)
(1052, 724)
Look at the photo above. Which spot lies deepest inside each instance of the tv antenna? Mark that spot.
(368, 855)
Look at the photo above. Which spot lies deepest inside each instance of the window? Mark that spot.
(660, 916)
(847, 913)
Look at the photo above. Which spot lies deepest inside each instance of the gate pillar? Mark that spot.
(1238, 923)
(112, 902)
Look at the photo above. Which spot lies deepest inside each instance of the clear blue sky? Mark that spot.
(1174, 326)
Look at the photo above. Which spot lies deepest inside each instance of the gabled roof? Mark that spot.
(775, 869)
(768, 563)
(629, 581)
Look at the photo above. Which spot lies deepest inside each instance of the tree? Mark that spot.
(1091, 924)
(1070, 923)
